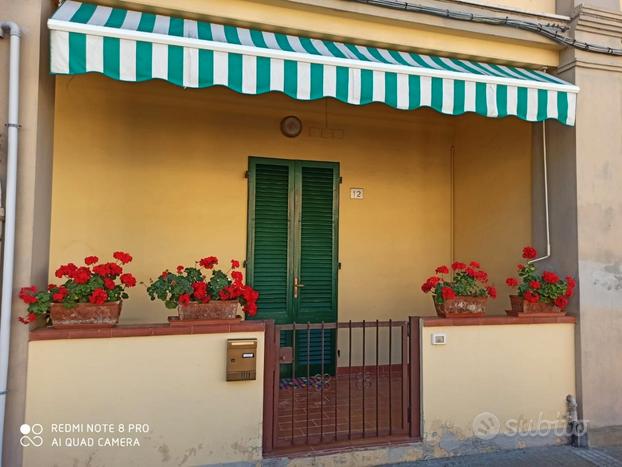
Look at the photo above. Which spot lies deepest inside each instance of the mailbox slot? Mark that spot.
(241, 359)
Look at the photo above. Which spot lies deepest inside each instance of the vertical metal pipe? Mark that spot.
(546, 197)
(9, 223)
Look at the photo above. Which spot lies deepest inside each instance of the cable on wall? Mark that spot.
(552, 31)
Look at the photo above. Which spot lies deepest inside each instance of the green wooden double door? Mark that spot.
(292, 252)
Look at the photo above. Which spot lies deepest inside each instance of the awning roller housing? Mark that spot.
(134, 46)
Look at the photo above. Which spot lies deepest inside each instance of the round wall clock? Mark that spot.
(291, 126)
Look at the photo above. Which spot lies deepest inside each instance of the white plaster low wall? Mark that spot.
(517, 375)
(175, 384)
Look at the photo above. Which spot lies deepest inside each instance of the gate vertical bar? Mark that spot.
(322, 386)
(405, 378)
(363, 379)
(293, 385)
(308, 374)
(414, 324)
(336, 358)
(390, 377)
(350, 380)
(271, 397)
(377, 377)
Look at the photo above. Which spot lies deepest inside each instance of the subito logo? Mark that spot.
(31, 435)
(486, 426)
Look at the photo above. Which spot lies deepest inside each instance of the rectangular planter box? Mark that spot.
(521, 307)
(214, 310)
(85, 315)
(462, 307)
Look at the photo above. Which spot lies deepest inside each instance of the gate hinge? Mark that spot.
(244, 264)
(246, 174)
(339, 266)
(340, 180)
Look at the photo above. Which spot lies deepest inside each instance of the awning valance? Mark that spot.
(135, 46)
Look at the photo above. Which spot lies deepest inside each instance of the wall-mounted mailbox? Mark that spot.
(241, 359)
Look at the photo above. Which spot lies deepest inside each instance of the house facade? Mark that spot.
(341, 150)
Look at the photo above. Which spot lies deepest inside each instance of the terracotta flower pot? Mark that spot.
(521, 307)
(462, 307)
(215, 309)
(85, 315)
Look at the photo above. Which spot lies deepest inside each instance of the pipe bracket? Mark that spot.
(12, 125)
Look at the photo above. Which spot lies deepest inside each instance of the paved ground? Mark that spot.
(534, 457)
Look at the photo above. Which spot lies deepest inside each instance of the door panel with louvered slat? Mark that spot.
(269, 235)
(293, 237)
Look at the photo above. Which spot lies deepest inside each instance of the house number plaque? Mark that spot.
(357, 193)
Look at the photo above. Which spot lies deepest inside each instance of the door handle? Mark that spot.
(297, 285)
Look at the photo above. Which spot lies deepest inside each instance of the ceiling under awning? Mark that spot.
(135, 46)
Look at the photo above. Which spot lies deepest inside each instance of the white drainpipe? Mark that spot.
(9, 224)
(546, 198)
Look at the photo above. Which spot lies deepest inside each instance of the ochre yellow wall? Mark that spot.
(175, 384)
(492, 193)
(521, 372)
(159, 171)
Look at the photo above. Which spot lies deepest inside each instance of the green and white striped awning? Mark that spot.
(134, 46)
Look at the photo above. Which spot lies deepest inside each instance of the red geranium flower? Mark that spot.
(529, 252)
(481, 276)
(98, 297)
(470, 272)
(492, 292)
(25, 295)
(550, 277)
(433, 280)
(520, 267)
(123, 257)
(184, 299)
(66, 270)
(426, 287)
(109, 283)
(199, 290)
(511, 282)
(458, 266)
(81, 275)
(128, 280)
(571, 282)
(561, 302)
(442, 270)
(474, 264)
(569, 292)
(235, 264)
(60, 294)
(30, 317)
(448, 293)
(180, 269)
(91, 260)
(209, 262)
(237, 276)
(534, 284)
(531, 297)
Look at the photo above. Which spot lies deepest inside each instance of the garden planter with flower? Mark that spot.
(465, 296)
(91, 295)
(85, 315)
(199, 298)
(538, 294)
